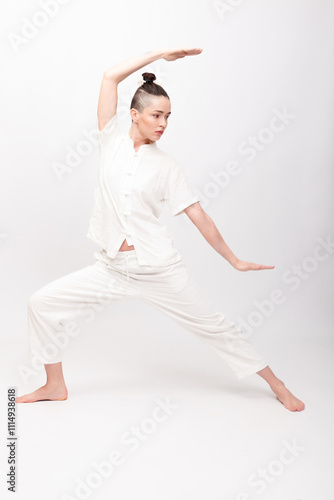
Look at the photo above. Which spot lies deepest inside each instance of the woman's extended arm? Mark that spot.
(208, 229)
(112, 76)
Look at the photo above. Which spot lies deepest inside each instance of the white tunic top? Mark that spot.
(132, 189)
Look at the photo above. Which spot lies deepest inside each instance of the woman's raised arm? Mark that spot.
(107, 104)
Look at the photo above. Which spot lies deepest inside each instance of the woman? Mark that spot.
(137, 256)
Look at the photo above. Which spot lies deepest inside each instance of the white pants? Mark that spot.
(53, 308)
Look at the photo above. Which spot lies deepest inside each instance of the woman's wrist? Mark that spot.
(234, 262)
(158, 53)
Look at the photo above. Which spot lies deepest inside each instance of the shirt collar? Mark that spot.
(143, 147)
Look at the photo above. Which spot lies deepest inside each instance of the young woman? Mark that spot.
(137, 257)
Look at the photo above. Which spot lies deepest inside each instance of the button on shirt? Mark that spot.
(132, 189)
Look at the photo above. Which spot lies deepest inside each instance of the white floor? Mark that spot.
(214, 437)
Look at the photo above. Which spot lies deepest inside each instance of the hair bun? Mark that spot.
(149, 77)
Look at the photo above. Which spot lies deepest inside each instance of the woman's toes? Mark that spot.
(290, 401)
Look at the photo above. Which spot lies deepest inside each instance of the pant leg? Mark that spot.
(56, 311)
(173, 291)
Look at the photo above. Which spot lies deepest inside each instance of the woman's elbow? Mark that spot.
(196, 213)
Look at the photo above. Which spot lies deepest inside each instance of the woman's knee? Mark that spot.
(37, 299)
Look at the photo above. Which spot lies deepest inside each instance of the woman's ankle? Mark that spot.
(55, 384)
(277, 385)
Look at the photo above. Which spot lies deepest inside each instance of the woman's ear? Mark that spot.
(134, 114)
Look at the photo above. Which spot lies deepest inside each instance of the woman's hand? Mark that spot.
(241, 265)
(177, 53)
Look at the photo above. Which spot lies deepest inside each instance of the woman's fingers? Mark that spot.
(259, 267)
(193, 51)
(251, 266)
(172, 54)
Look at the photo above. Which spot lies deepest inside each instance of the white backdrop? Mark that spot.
(258, 62)
(252, 124)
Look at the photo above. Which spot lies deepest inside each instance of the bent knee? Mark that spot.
(37, 299)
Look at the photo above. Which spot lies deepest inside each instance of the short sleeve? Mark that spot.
(178, 192)
(109, 132)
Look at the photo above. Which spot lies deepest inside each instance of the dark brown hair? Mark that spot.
(142, 97)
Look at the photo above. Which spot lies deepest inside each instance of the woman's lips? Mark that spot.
(159, 132)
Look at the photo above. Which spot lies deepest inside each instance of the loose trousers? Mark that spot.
(54, 309)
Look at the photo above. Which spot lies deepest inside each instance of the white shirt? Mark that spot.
(132, 189)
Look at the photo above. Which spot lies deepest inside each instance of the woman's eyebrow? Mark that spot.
(159, 110)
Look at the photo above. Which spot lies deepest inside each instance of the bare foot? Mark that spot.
(45, 393)
(285, 397)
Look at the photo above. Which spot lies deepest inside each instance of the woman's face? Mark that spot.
(154, 118)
